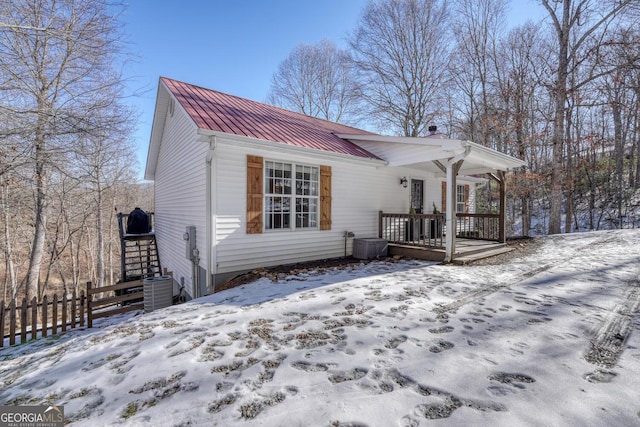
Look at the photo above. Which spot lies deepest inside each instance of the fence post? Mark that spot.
(64, 312)
(82, 307)
(12, 322)
(2, 322)
(54, 315)
(73, 309)
(34, 318)
(23, 321)
(89, 311)
(45, 303)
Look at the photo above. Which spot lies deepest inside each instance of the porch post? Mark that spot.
(450, 211)
(502, 233)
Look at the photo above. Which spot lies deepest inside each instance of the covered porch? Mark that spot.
(449, 235)
(423, 236)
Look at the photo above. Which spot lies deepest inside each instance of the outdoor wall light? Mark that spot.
(403, 181)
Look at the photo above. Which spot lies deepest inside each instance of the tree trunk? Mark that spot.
(569, 202)
(560, 97)
(100, 238)
(32, 280)
(10, 276)
(619, 156)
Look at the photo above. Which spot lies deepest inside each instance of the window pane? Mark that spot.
(277, 212)
(277, 178)
(306, 212)
(307, 180)
(307, 189)
(460, 198)
(313, 213)
(280, 180)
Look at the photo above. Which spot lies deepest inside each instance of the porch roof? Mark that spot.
(421, 152)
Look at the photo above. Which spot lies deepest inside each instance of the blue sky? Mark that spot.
(232, 46)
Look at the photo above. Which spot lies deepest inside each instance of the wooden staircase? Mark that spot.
(138, 253)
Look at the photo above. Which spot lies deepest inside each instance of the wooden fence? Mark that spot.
(58, 315)
(27, 319)
(115, 299)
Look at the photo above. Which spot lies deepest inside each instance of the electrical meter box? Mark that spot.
(190, 239)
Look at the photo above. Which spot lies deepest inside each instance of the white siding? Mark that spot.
(180, 195)
(433, 190)
(360, 190)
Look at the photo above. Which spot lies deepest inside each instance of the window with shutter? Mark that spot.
(254, 194)
(462, 198)
(325, 197)
(283, 195)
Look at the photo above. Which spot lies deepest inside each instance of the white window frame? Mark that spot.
(461, 198)
(298, 196)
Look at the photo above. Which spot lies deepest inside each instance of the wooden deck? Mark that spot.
(422, 236)
(467, 250)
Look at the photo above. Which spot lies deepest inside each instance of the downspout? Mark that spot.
(195, 272)
(452, 172)
(209, 213)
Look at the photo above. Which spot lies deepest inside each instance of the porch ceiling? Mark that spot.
(420, 153)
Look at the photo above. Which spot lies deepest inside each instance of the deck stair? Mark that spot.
(478, 255)
(466, 251)
(138, 252)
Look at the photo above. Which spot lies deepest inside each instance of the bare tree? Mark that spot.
(56, 56)
(621, 53)
(518, 91)
(478, 27)
(10, 276)
(103, 162)
(575, 23)
(317, 80)
(401, 49)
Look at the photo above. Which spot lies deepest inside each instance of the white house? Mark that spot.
(240, 184)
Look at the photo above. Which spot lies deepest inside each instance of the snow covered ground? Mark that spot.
(551, 337)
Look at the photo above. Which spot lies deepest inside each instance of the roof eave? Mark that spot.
(157, 128)
(205, 134)
(501, 161)
(439, 149)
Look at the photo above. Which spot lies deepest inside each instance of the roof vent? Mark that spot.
(433, 129)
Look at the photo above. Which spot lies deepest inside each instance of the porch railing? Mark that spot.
(478, 226)
(428, 230)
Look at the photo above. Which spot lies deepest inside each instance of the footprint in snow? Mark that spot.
(441, 346)
(600, 376)
(310, 367)
(251, 409)
(441, 330)
(516, 380)
(351, 375)
(395, 341)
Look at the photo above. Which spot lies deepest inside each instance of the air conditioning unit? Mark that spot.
(369, 247)
(158, 292)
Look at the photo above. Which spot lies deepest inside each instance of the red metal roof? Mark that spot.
(221, 112)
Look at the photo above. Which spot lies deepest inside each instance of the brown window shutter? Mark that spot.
(325, 197)
(254, 194)
(466, 198)
(444, 197)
